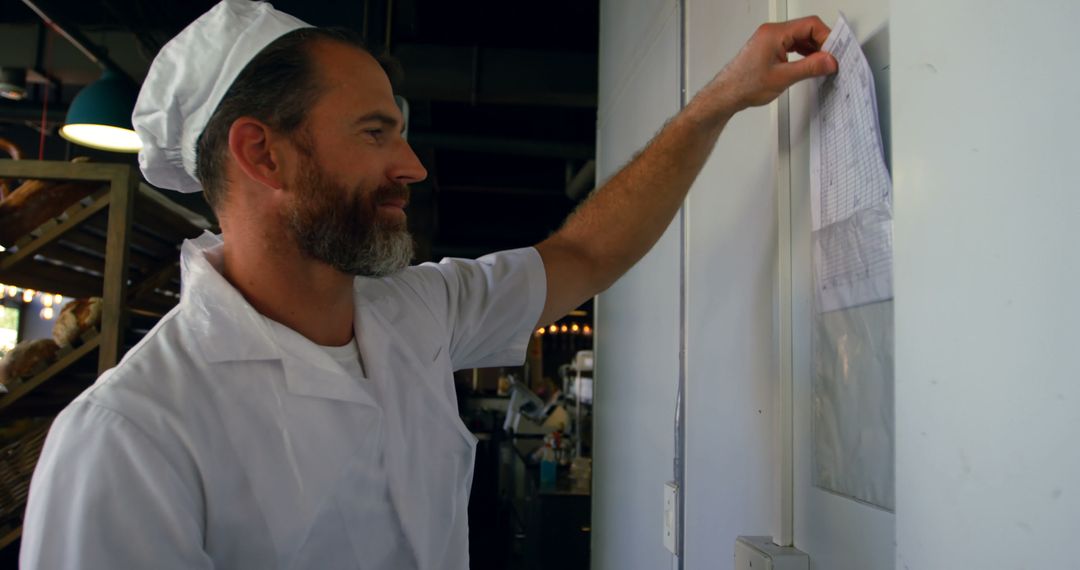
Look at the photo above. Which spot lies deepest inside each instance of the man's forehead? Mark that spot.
(348, 73)
(339, 62)
(351, 80)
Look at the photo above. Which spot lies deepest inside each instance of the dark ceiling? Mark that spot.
(502, 98)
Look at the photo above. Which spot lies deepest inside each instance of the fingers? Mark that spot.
(761, 71)
(813, 65)
(804, 47)
(805, 34)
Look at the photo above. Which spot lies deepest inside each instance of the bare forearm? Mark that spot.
(622, 220)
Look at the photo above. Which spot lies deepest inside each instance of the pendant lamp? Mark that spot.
(13, 83)
(100, 115)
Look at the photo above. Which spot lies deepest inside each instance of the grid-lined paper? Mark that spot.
(851, 192)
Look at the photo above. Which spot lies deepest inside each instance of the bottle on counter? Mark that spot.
(581, 474)
(548, 467)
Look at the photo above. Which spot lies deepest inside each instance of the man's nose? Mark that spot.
(406, 168)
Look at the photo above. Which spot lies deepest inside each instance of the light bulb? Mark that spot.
(102, 137)
(587, 330)
(540, 330)
(564, 328)
(553, 329)
(47, 301)
(47, 313)
(27, 295)
(12, 291)
(58, 298)
(574, 328)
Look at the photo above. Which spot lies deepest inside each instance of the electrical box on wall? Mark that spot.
(759, 553)
(671, 516)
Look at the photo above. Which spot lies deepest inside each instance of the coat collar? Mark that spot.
(229, 329)
(226, 325)
(309, 371)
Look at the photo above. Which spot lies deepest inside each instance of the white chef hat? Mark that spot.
(190, 76)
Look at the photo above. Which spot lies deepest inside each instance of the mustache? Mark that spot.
(391, 192)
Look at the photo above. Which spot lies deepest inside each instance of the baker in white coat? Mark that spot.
(296, 409)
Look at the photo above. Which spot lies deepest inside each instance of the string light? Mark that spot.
(573, 328)
(48, 300)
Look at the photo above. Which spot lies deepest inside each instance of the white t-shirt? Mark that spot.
(348, 356)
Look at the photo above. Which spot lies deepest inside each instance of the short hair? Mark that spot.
(277, 87)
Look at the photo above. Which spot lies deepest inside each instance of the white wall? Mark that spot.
(837, 532)
(985, 153)
(731, 246)
(637, 340)
(984, 118)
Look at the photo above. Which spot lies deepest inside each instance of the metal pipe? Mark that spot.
(680, 400)
(367, 14)
(577, 412)
(389, 23)
(75, 38)
(90, 53)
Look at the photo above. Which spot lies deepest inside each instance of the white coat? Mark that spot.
(221, 441)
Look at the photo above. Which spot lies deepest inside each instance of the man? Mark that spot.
(296, 409)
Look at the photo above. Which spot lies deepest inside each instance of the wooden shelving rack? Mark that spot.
(120, 244)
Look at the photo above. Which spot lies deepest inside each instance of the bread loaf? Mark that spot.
(75, 318)
(26, 358)
(36, 202)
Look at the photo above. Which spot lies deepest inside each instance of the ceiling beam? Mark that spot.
(503, 190)
(18, 48)
(432, 72)
(30, 110)
(497, 75)
(502, 145)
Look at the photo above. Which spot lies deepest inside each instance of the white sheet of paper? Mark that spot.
(850, 187)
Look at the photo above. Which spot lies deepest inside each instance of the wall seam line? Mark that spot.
(683, 378)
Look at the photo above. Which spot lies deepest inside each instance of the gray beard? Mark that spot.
(340, 226)
(377, 253)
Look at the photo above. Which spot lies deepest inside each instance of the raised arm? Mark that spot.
(625, 217)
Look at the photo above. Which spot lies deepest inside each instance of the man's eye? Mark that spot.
(375, 133)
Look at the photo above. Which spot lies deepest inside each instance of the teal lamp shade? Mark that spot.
(100, 115)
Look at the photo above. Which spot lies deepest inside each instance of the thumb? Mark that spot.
(814, 65)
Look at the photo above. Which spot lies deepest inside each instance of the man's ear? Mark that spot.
(251, 146)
